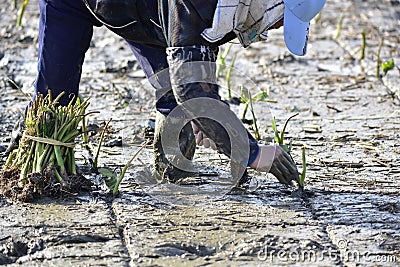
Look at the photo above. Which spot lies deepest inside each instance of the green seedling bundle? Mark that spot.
(49, 138)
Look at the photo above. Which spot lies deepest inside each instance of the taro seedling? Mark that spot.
(256, 131)
(96, 157)
(339, 27)
(304, 163)
(48, 140)
(279, 139)
(378, 59)
(21, 10)
(221, 60)
(248, 100)
(363, 44)
(262, 96)
(387, 66)
(228, 76)
(221, 65)
(112, 180)
(279, 136)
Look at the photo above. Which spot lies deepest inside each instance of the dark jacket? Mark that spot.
(139, 20)
(135, 20)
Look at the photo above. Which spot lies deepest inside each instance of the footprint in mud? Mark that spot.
(12, 249)
(175, 249)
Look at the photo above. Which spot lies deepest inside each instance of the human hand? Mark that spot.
(275, 160)
(202, 139)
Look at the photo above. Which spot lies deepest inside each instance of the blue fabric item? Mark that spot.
(65, 31)
(254, 153)
(153, 61)
(296, 23)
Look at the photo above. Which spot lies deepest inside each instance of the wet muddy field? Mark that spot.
(349, 122)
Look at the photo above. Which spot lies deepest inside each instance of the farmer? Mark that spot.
(169, 35)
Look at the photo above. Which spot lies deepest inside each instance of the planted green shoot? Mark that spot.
(304, 163)
(85, 136)
(339, 27)
(256, 132)
(279, 136)
(378, 59)
(244, 99)
(262, 96)
(16, 86)
(247, 100)
(21, 11)
(221, 60)
(49, 138)
(113, 181)
(110, 177)
(122, 174)
(96, 157)
(228, 76)
(363, 44)
(280, 139)
(387, 66)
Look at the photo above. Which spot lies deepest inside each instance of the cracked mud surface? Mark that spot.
(349, 122)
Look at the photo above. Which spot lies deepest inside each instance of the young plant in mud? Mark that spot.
(280, 140)
(96, 157)
(21, 11)
(221, 66)
(112, 180)
(304, 164)
(279, 136)
(387, 66)
(48, 139)
(228, 76)
(378, 60)
(221, 57)
(363, 44)
(339, 27)
(248, 100)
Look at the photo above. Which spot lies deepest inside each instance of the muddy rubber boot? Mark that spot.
(187, 145)
(193, 80)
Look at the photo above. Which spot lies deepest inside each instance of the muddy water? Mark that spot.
(349, 122)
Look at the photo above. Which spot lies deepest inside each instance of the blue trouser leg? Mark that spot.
(153, 61)
(65, 31)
